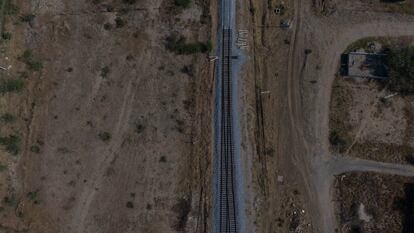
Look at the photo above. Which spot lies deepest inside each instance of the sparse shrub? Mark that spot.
(105, 71)
(120, 22)
(7, 118)
(401, 65)
(104, 136)
(308, 51)
(29, 59)
(6, 35)
(27, 18)
(11, 85)
(139, 128)
(130, 205)
(11, 143)
(3, 167)
(129, 1)
(10, 8)
(163, 159)
(182, 208)
(10, 200)
(269, 151)
(32, 195)
(107, 26)
(35, 149)
(188, 70)
(97, 1)
(182, 3)
(337, 141)
(179, 46)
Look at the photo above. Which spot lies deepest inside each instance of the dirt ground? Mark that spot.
(331, 6)
(112, 133)
(372, 129)
(291, 73)
(370, 202)
(368, 126)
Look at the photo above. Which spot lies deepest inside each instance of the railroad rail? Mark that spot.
(227, 204)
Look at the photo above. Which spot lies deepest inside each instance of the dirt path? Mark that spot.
(330, 36)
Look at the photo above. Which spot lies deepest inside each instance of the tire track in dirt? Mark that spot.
(323, 181)
(88, 194)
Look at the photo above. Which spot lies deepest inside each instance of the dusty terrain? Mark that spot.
(291, 122)
(370, 202)
(371, 128)
(113, 137)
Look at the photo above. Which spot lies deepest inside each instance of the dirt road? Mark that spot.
(327, 37)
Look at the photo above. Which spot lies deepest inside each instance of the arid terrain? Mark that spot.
(107, 132)
(294, 168)
(106, 113)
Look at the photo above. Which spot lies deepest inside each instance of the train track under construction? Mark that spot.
(227, 202)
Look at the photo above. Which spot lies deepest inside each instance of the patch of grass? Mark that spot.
(30, 60)
(7, 118)
(104, 136)
(11, 85)
(180, 46)
(11, 143)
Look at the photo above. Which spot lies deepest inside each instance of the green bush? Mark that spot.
(7, 118)
(338, 141)
(6, 35)
(119, 22)
(29, 59)
(105, 71)
(10, 8)
(401, 70)
(130, 1)
(27, 18)
(11, 85)
(179, 46)
(182, 3)
(104, 136)
(3, 167)
(11, 143)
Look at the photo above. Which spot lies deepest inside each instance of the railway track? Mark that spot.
(227, 204)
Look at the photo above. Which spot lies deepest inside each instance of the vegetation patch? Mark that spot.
(104, 136)
(30, 60)
(179, 45)
(11, 143)
(401, 65)
(182, 3)
(11, 85)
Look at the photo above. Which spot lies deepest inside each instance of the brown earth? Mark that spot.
(291, 123)
(114, 137)
(370, 202)
(369, 126)
(372, 129)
